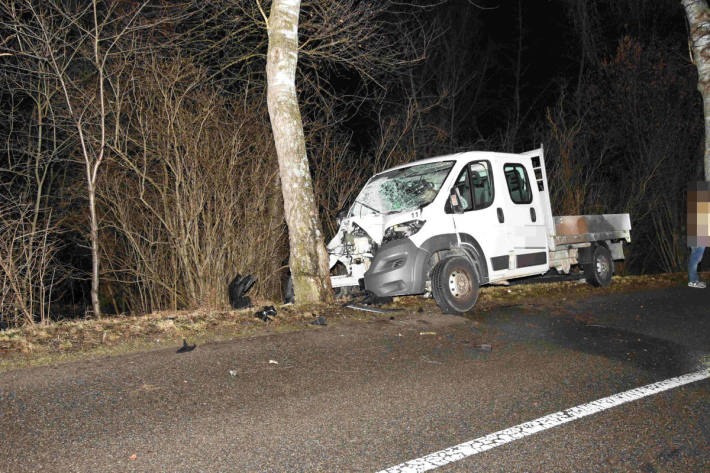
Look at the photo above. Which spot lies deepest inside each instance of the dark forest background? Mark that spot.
(165, 103)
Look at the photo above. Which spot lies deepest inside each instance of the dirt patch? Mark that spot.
(82, 339)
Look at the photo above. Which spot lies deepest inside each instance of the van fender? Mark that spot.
(447, 244)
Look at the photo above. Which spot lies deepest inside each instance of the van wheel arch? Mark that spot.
(444, 246)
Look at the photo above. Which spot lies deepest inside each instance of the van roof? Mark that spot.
(465, 155)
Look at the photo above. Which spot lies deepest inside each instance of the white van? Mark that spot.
(446, 225)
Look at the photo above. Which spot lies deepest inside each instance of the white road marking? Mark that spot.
(496, 439)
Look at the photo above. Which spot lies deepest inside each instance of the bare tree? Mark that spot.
(32, 148)
(698, 15)
(75, 44)
(28, 271)
(308, 257)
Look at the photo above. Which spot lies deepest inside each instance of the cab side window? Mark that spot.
(463, 184)
(481, 184)
(475, 184)
(518, 183)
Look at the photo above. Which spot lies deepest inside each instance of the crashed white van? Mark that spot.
(444, 226)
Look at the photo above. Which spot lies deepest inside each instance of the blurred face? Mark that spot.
(699, 214)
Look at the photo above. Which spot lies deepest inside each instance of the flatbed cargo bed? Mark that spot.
(571, 229)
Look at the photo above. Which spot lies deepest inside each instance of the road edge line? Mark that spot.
(502, 437)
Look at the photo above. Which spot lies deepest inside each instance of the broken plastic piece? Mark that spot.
(289, 296)
(371, 309)
(185, 347)
(237, 290)
(273, 362)
(266, 313)
(320, 320)
(232, 373)
(427, 333)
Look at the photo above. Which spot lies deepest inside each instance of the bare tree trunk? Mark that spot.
(94, 239)
(698, 15)
(308, 257)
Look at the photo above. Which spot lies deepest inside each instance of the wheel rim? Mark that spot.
(460, 284)
(602, 267)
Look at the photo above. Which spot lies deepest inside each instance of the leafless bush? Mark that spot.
(28, 271)
(192, 196)
(627, 143)
(575, 159)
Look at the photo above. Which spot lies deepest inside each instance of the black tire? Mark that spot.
(598, 273)
(454, 285)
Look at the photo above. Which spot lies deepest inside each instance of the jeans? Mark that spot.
(696, 254)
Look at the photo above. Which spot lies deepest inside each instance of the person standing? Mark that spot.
(698, 231)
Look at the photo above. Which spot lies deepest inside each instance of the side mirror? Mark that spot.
(455, 200)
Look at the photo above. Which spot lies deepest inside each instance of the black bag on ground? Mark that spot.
(237, 290)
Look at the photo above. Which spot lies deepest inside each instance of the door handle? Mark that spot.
(533, 215)
(501, 217)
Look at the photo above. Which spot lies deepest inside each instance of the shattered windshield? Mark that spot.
(402, 189)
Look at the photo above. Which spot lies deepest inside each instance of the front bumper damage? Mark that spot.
(397, 269)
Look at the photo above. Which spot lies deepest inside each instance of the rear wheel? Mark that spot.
(454, 285)
(599, 271)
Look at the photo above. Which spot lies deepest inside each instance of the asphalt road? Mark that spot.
(364, 397)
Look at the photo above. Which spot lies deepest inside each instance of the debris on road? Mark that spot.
(377, 310)
(427, 333)
(273, 362)
(320, 320)
(232, 373)
(237, 290)
(482, 346)
(185, 347)
(266, 313)
(369, 300)
(427, 360)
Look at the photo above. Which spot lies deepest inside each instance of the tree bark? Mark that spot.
(698, 15)
(308, 257)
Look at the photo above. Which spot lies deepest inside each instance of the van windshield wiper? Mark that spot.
(368, 207)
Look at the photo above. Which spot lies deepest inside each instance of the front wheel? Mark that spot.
(598, 273)
(454, 285)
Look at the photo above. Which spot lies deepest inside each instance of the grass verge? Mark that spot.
(90, 338)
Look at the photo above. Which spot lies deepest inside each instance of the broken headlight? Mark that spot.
(402, 230)
(358, 241)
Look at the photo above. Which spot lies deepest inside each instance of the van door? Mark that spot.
(481, 219)
(524, 219)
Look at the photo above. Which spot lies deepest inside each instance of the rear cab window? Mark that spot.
(518, 183)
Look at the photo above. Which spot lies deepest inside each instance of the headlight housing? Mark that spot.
(402, 230)
(358, 240)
